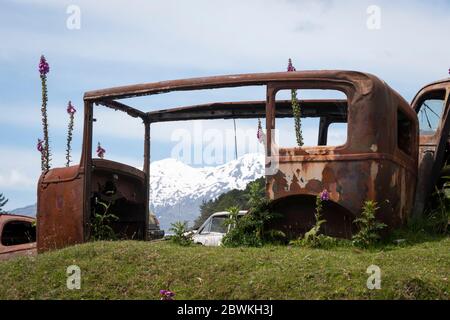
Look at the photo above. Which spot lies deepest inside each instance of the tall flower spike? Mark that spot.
(44, 68)
(290, 67)
(71, 111)
(100, 151)
(70, 108)
(259, 134)
(296, 109)
(325, 195)
(39, 146)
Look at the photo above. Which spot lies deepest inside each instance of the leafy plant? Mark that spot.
(437, 215)
(101, 222)
(368, 226)
(250, 230)
(181, 236)
(313, 238)
(296, 110)
(3, 201)
(437, 219)
(233, 216)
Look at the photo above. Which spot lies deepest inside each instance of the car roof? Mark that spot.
(363, 81)
(222, 213)
(10, 215)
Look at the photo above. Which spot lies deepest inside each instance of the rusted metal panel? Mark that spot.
(433, 149)
(359, 79)
(10, 251)
(369, 166)
(249, 110)
(124, 108)
(61, 216)
(60, 213)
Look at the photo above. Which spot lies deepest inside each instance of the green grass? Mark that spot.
(138, 270)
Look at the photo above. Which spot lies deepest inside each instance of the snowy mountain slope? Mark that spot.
(177, 190)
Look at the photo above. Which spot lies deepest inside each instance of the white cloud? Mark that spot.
(247, 35)
(19, 169)
(16, 180)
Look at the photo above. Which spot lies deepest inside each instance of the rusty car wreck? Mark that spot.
(380, 160)
(17, 236)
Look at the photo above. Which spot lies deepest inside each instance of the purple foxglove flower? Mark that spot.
(290, 67)
(170, 294)
(325, 195)
(40, 146)
(70, 108)
(100, 151)
(44, 68)
(260, 133)
(166, 294)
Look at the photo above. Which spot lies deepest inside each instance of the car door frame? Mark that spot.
(432, 148)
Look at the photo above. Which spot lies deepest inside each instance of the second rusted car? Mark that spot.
(17, 236)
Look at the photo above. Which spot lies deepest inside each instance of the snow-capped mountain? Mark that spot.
(177, 190)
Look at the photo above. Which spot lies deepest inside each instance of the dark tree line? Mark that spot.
(3, 201)
(233, 198)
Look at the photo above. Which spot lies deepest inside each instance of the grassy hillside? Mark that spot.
(138, 270)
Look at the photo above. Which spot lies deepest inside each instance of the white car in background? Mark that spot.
(213, 229)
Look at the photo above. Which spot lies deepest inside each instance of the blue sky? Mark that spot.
(125, 42)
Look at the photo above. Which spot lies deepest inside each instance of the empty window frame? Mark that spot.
(430, 112)
(323, 118)
(18, 232)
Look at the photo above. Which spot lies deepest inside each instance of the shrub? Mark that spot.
(101, 222)
(181, 236)
(250, 230)
(436, 216)
(368, 226)
(313, 238)
(436, 219)
(3, 201)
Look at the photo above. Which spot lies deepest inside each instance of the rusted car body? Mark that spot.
(432, 107)
(375, 163)
(17, 236)
(378, 162)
